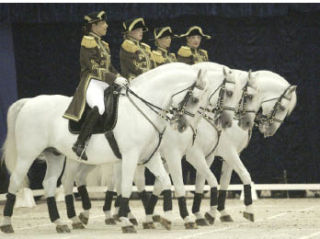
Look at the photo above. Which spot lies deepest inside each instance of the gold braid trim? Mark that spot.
(204, 52)
(146, 46)
(184, 51)
(157, 57)
(129, 46)
(88, 42)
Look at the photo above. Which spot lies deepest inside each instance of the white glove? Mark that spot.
(121, 81)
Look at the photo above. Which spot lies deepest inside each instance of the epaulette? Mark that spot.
(184, 51)
(204, 52)
(88, 42)
(129, 46)
(173, 55)
(157, 57)
(146, 46)
(106, 44)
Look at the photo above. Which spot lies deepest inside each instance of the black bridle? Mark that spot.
(268, 119)
(241, 111)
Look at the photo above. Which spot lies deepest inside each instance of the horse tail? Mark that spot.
(9, 155)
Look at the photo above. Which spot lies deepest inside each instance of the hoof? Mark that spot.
(62, 229)
(7, 228)
(134, 221)
(128, 229)
(148, 225)
(202, 222)
(83, 219)
(190, 225)
(249, 216)
(78, 225)
(116, 217)
(166, 223)
(209, 218)
(226, 218)
(156, 218)
(110, 221)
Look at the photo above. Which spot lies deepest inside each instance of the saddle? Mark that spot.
(108, 120)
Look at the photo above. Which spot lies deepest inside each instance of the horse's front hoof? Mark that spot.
(134, 221)
(148, 225)
(62, 229)
(249, 216)
(156, 218)
(190, 225)
(110, 221)
(7, 228)
(128, 229)
(209, 218)
(166, 223)
(116, 217)
(83, 219)
(226, 218)
(78, 225)
(202, 222)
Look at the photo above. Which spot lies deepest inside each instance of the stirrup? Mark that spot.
(80, 151)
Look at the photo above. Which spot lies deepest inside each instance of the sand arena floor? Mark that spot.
(275, 218)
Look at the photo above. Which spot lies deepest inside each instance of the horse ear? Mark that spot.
(201, 82)
(224, 71)
(292, 89)
(250, 74)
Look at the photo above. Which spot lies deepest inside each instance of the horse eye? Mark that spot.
(249, 97)
(282, 108)
(229, 93)
(195, 100)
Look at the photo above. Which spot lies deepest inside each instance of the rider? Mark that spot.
(135, 56)
(163, 37)
(97, 73)
(191, 53)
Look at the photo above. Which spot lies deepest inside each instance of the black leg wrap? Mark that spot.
(108, 201)
(167, 200)
(144, 198)
(117, 202)
(221, 199)
(196, 202)
(8, 209)
(124, 207)
(247, 195)
(70, 206)
(86, 203)
(52, 208)
(151, 204)
(214, 197)
(183, 207)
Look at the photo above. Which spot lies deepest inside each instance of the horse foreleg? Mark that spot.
(140, 182)
(225, 178)
(54, 169)
(232, 157)
(110, 182)
(162, 183)
(68, 179)
(128, 167)
(198, 161)
(80, 180)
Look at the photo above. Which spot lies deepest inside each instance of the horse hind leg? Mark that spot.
(17, 177)
(55, 163)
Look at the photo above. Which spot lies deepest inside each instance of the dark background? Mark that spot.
(284, 38)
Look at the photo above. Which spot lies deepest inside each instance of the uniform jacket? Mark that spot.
(191, 56)
(162, 56)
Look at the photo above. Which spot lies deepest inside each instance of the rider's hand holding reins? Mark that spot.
(121, 81)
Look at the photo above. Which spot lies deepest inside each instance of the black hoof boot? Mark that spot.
(116, 217)
(249, 216)
(148, 225)
(7, 228)
(190, 225)
(202, 222)
(80, 151)
(226, 218)
(62, 229)
(209, 218)
(128, 229)
(156, 218)
(83, 219)
(165, 223)
(134, 221)
(110, 221)
(78, 225)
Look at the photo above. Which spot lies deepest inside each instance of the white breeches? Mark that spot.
(95, 94)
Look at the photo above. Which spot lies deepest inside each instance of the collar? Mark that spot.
(163, 50)
(134, 40)
(95, 35)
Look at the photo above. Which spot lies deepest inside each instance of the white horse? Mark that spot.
(36, 124)
(277, 100)
(176, 143)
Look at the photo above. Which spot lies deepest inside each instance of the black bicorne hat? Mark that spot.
(135, 23)
(195, 30)
(160, 32)
(94, 17)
